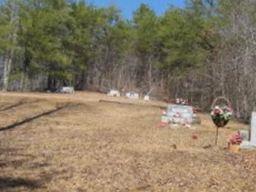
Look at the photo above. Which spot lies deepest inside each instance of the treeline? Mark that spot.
(199, 52)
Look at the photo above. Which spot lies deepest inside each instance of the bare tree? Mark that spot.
(12, 36)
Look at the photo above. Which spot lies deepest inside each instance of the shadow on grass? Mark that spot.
(13, 106)
(29, 119)
(9, 161)
(17, 104)
(8, 182)
(13, 158)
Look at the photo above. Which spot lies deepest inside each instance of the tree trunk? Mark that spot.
(10, 53)
(7, 70)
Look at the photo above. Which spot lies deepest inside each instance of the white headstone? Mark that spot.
(69, 90)
(114, 93)
(146, 98)
(181, 114)
(132, 95)
(253, 129)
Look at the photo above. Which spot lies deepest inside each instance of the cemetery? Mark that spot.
(62, 142)
(127, 96)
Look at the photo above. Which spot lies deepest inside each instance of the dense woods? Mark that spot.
(202, 51)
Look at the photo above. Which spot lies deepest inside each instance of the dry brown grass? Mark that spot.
(92, 146)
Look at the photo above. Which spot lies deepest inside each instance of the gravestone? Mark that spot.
(132, 95)
(253, 129)
(69, 90)
(114, 93)
(251, 143)
(146, 98)
(181, 114)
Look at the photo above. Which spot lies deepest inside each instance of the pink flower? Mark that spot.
(235, 138)
(217, 111)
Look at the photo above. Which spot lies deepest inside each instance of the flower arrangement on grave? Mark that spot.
(181, 101)
(221, 113)
(235, 139)
(234, 142)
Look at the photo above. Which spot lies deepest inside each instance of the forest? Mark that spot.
(199, 52)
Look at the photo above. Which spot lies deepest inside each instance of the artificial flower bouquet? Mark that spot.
(235, 138)
(234, 142)
(221, 115)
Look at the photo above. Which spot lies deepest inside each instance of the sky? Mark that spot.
(129, 6)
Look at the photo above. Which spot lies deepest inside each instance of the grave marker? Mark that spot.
(181, 114)
(253, 129)
(251, 143)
